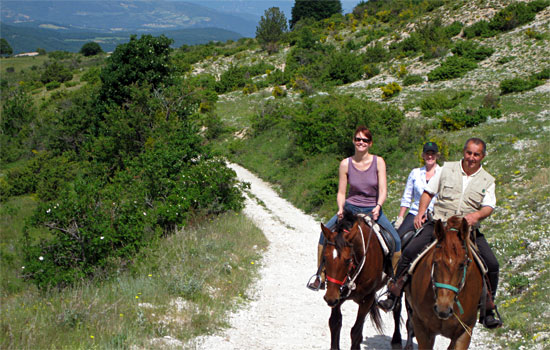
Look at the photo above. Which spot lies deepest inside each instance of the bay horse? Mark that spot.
(445, 288)
(354, 266)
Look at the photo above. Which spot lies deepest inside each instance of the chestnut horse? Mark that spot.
(445, 288)
(354, 264)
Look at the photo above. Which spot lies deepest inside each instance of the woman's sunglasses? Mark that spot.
(357, 139)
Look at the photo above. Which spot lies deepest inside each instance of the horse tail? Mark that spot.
(375, 317)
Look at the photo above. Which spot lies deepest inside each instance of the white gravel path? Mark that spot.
(284, 314)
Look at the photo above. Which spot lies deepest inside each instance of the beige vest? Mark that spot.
(450, 200)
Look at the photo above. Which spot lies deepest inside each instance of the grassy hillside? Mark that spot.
(413, 71)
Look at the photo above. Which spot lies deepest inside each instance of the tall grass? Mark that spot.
(180, 287)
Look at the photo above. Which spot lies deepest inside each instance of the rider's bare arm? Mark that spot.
(475, 217)
(425, 200)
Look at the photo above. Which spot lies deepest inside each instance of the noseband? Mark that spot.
(457, 290)
(347, 285)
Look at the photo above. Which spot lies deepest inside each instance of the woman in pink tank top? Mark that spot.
(365, 174)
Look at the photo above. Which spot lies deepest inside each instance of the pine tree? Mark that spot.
(272, 26)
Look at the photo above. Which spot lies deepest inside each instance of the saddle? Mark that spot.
(384, 237)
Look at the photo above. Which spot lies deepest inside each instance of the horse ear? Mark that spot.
(350, 235)
(464, 229)
(329, 235)
(439, 230)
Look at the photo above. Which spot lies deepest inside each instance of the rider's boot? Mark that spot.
(319, 282)
(490, 321)
(396, 284)
(394, 260)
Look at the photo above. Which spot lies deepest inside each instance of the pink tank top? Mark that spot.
(363, 185)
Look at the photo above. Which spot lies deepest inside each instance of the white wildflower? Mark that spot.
(41, 258)
(101, 237)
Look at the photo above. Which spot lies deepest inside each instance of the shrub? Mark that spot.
(508, 86)
(343, 67)
(371, 70)
(52, 85)
(472, 50)
(143, 61)
(56, 71)
(442, 100)
(468, 118)
(452, 67)
(411, 79)
(390, 90)
(506, 59)
(239, 76)
(91, 49)
(453, 29)
(480, 28)
(278, 92)
(94, 220)
(376, 53)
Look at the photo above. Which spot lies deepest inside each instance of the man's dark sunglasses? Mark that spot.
(357, 139)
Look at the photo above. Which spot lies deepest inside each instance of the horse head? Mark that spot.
(450, 264)
(339, 257)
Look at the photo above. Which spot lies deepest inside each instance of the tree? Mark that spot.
(56, 71)
(138, 62)
(5, 48)
(90, 49)
(272, 26)
(316, 9)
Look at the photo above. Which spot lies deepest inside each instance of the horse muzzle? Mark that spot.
(443, 312)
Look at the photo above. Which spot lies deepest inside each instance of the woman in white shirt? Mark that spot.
(417, 181)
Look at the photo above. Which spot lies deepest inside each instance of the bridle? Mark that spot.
(457, 290)
(347, 285)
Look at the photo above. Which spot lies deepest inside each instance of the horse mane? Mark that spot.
(453, 237)
(344, 224)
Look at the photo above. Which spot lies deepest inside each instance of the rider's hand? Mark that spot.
(375, 212)
(340, 214)
(472, 219)
(419, 220)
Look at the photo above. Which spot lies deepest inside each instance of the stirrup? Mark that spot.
(388, 298)
(311, 283)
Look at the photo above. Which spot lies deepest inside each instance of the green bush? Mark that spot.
(376, 54)
(52, 85)
(343, 67)
(390, 90)
(452, 67)
(443, 101)
(237, 77)
(471, 50)
(139, 62)
(96, 220)
(508, 86)
(508, 18)
(411, 79)
(457, 120)
(91, 49)
(56, 71)
(481, 29)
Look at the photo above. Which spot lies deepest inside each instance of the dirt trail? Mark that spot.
(284, 314)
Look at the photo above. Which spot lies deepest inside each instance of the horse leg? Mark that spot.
(423, 336)
(335, 324)
(410, 328)
(396, 338)
(462, 342)
(357, 329)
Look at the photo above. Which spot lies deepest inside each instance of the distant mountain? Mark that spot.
(26, 39)
(122, 16)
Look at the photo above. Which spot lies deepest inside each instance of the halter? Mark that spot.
(348, 284)
(457, 290)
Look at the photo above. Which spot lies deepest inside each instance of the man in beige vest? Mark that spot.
(463, 188)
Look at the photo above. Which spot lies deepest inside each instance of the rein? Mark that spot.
(456, 290)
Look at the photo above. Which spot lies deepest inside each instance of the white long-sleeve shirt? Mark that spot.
(416, 184)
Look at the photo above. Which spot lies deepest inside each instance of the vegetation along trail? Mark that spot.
(284, 314)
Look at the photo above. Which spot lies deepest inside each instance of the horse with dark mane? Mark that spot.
(354, 266)
(445, 288)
